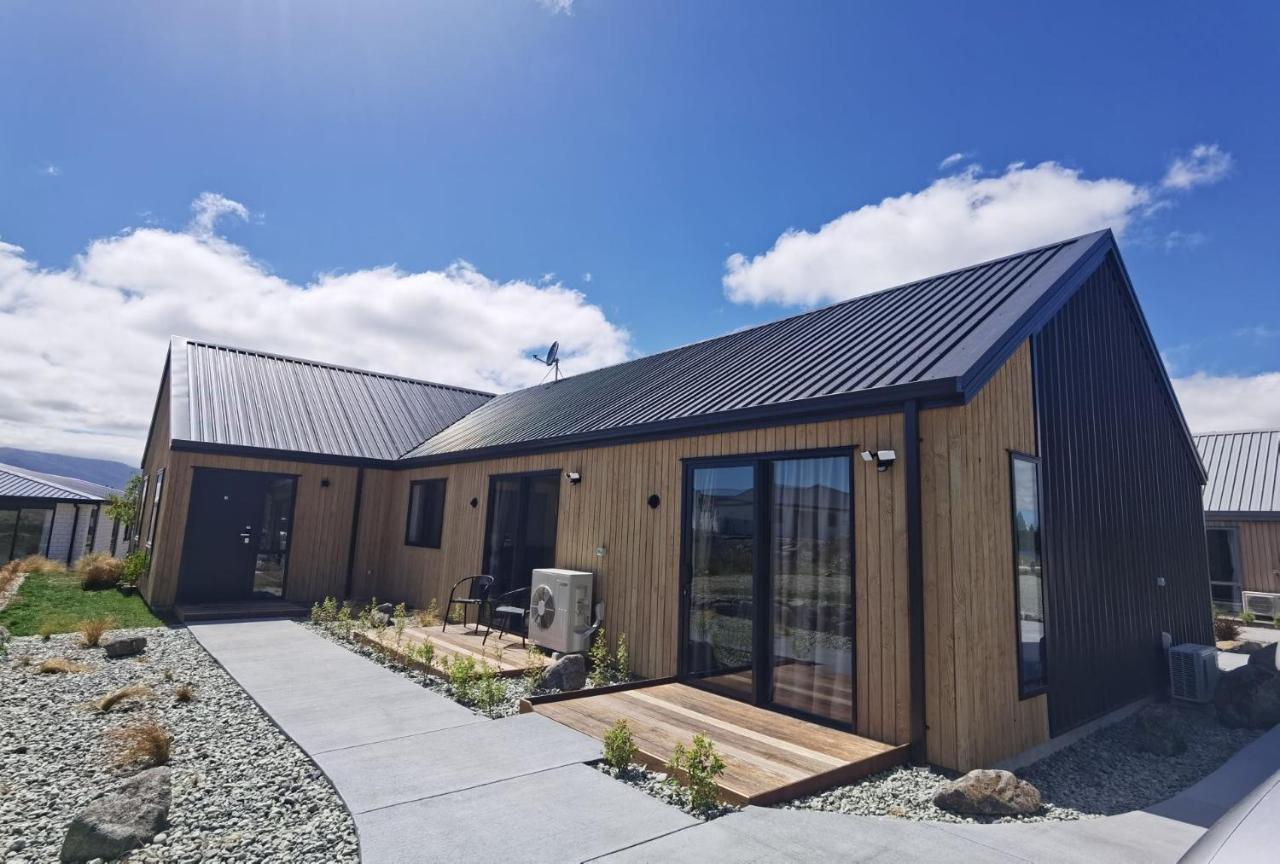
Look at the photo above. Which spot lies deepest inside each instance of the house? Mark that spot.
(59, 517)
(959, 514)
(1242, 513)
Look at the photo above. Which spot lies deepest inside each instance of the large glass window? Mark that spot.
(24, 532)
(1224, 576)
(1028, 574)
(426, 513)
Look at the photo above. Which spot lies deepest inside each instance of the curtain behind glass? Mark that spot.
(811, 562)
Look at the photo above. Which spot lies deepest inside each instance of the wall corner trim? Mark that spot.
(915, 580)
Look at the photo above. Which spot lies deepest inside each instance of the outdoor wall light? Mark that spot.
(324, 482)
(574, 478)
(882, 458)
(475, 502)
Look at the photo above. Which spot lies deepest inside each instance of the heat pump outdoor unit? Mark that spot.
(1261, 604)
(1193, 672)
(560, 610)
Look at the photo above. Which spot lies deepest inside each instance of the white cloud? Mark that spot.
(955, 221)
(84, 345)
(1183, 239)
(559, 7)
(953, 160)
(1205, 164)
(1224, 403)
(51, 170)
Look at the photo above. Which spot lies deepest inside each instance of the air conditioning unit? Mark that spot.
(1260, 603)
(1193, 672)
(560, 610)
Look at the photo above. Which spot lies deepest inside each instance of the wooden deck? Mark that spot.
(769, 757)
(503, 652)
(194, 612)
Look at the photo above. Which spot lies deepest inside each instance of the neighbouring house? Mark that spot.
(59, 517)
(958, 514)
(1242, 513)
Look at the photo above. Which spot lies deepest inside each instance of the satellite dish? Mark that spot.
(553, 354)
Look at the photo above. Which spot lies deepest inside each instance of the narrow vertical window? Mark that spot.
(155, 509)
(425, 521)
(1028, 574)
(91, 534)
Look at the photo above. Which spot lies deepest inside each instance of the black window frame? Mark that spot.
(1027, 690)
(156, 493)
(434, 530)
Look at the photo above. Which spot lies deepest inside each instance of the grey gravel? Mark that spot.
(242, 791)
(1103, 774)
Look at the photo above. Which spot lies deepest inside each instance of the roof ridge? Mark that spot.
(1216, 434)
(271, 355)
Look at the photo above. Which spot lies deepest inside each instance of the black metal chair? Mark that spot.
(477, 596)
(509, 606)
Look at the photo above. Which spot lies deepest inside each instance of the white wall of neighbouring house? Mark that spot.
(64, 517)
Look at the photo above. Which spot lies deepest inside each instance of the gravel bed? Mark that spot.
(242, 791)
(662, 787)
(1102, 774)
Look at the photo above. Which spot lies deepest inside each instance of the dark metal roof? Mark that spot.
(237, 398)
(1244, 471)
(21, 483)
(936, 339)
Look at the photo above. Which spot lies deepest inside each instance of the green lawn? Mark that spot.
(57, 602)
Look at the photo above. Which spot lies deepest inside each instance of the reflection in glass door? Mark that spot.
(721, 590)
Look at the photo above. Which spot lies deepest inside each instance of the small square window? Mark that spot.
(425, 521)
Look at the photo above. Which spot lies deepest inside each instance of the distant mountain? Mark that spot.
(101, 471)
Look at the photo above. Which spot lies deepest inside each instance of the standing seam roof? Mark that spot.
(20, 483)
(1243, 469)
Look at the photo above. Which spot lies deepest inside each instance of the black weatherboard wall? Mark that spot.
(1118, 465)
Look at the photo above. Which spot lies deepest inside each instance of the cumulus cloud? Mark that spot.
(1224, 403)
(84, 345)
(955, 221)
(559, 7)
(1205, 164)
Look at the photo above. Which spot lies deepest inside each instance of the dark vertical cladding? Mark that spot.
(1122, 507)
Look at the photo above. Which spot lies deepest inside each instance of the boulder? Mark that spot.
(123, 819)
(1264, 657)
(386, 609)
(986, 792)
(380, 619)
(1248, 697)
(1159, 730)
(567, 673)
(123, 646)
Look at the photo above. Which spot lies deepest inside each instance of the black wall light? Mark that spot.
(654, 501)
(324, 482)
(475, 502)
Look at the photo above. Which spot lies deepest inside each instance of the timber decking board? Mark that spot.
(769, 757)
(502, 650)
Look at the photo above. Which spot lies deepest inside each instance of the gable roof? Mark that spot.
(937, 340)
(20, 483)
(232, 397)
(1244, 471)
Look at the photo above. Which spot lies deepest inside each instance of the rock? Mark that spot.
(567, 673)
(386, 609)
(380, 619)
(124, 819)
(1264, 657)
(1159, 730)
(985, 792)
(124, 646)
(1248, 698)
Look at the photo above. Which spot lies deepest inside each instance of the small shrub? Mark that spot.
(343, 621)
(599, 656)
(98, 571)
(619, 746)
(1247, 618)
(424, 652)
(146, 744)
(489, 692)
(463, 674)
(167, 675)
(60, 666)
(622, 660)
(92, 630)
(400, 617)
(136, 565)
(698, 765)
(132, 692)
(184, 693)
(325, 612)
(1225, 629)
(429, 617)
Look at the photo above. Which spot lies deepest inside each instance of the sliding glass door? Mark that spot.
(769, 582)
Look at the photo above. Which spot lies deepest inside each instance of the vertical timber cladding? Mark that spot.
(321, 524)
(639, 574)
(1258, 541)
(973, 714)
(1122, 507)
(155, 458)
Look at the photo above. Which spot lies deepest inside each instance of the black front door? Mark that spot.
(521, 532)
(236, 546)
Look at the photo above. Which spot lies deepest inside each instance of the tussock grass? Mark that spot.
(92, 630)
(184, 693)
(60, 666)
(98, 570)
(144, 744)
(134, 692)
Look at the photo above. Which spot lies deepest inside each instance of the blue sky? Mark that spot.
(620, 150)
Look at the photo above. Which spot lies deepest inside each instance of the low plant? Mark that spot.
(145, 744)
(619, 745)
(92, 630)
(462, 673)
(429, 617)
(60, 666)
(47, 629)
(324, 612)
(535, 670)
(343, 621)
(367, 613)
(608, 667)
(424, 652)
(136, 565)
(98, 571)
(1247, 618)
(1225, 629)
(622, 660)
(489, 692)
(400, 618)
(133, 692)
(697, 767)
(184, 693)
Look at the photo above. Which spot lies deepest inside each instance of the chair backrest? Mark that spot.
(480, 587)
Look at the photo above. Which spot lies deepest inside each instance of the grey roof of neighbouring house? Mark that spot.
(239, 398)
(21, 483)
(939, 338)
(1244, 471)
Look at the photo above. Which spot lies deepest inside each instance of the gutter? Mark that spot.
(915, 581)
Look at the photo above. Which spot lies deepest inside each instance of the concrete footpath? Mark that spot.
(428, 780)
